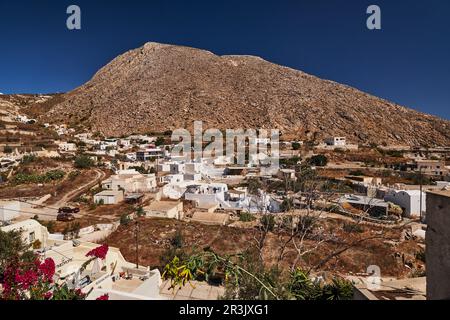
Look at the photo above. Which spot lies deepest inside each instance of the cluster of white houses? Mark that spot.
(204, 182)
(178, 180)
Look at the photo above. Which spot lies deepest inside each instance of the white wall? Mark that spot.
(9, 210)
(409, 201)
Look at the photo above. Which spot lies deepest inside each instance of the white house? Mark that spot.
(164, 167)
(125, 143)
(31, 231)
(207, 194)
(67, 147)
(149, 154)
(335, 141)
(131, 181)
(408, 200)
(165, 209)
(83, 136)
(193, 171)
(25, 119)
(435, 167)
(171, 178)
(109, 197)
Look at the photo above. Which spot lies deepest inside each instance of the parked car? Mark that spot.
(68, 210)
(65, 217)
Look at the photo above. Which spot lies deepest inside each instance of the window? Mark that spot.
(31, 237)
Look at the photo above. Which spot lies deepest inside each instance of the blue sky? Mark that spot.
(407, 62)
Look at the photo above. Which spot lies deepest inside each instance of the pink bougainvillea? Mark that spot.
(47, 269)
(103, 297)
(26, 278)
(99, 252)
(48, 295)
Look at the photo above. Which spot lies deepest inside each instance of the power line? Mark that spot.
(39, 205)
(29, 212)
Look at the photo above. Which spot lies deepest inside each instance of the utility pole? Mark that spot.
(421, 182)
(136, 230)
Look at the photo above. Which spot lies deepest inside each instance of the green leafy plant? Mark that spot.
(246, 217)
(83, 162)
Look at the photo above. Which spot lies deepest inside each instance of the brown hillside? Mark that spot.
(159, 87)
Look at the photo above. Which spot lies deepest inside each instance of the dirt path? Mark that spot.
(100, 175)
(50, 212)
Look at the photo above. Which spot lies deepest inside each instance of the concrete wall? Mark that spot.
(438, 246)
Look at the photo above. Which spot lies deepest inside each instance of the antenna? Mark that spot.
(137, 242)
(421, 182)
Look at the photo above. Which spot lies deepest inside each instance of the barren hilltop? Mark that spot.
(160, 87)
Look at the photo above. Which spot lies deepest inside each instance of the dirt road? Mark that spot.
(51, 211)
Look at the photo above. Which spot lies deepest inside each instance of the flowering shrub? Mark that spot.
(47, 269)
(99, 252)
(23, 280)
(33, 280)
(103, 297)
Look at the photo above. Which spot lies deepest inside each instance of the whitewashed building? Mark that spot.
(131, 181)
(31, 231)
(335, 141)
(67, 147)
(408, 200)
(109, 197)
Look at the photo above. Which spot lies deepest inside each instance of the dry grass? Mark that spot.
(156, 234)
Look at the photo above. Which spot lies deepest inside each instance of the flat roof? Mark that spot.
(210, 217)
(134, 196)
(364, 200)
(30, 223)
(444, 193)
(162, 205)
(109, 193)
(401, 289)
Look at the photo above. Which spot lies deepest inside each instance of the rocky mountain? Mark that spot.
(13, 105)
(160, 87)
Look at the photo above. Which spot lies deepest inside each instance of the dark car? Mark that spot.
(65, 217)
(68, 210)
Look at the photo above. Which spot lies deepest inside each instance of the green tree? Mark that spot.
(268, 222)
(83, 162)
(287, 204)
(246, 217)
(159, 141)
(246, 278)
(124, 219)
(319, 160)
(177, 240)
(140, 212)
(12, 247)
(296, 146)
